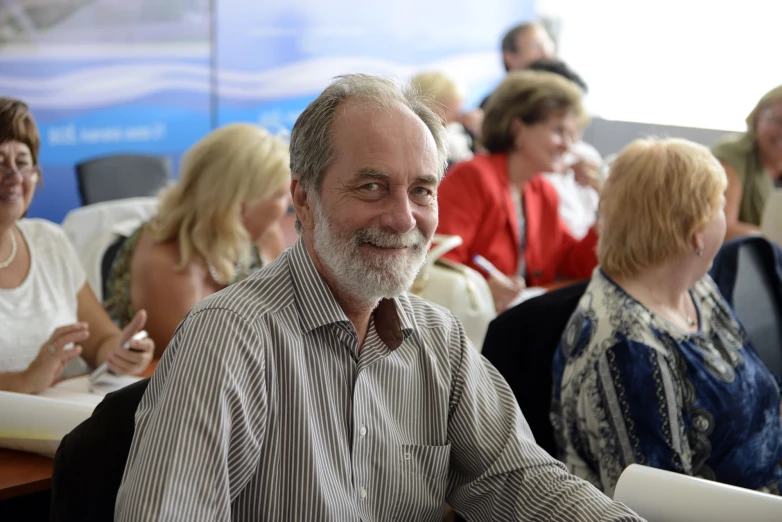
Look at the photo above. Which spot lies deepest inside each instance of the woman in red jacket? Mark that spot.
(500, 205)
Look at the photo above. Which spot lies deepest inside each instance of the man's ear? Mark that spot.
(302, 203)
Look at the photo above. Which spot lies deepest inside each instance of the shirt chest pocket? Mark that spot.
(422, 481)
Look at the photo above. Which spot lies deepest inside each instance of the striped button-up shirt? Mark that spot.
(265, 408)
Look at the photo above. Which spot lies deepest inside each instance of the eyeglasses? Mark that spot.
(27, 173)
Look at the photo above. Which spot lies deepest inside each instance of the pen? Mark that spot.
(103, 368)
(486, 265)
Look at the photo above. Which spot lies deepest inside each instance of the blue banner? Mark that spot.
(275, 56)
(112, 76)
(106, 77)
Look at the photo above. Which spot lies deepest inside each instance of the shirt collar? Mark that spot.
(318, 307)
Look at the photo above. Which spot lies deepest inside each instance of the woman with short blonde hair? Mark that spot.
(639, 231)
(208, 230)
(653, 367)
(444, 97)
(753, 162)
(436, 85)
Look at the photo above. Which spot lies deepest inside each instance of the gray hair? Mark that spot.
(312, 146)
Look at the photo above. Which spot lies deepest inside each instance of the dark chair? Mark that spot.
(122, 176)
(747, 271)
(90, 461)
(521, 343)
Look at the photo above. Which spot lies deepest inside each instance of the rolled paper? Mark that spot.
(664, 496)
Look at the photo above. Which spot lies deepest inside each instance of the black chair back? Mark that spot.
(122, 176)
(757, 301)
(90, 461)
(521, 343)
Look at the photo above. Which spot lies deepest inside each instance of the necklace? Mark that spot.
(670, 309)
(12, 255)
(683, 314)
(213, 273)
(216, 276)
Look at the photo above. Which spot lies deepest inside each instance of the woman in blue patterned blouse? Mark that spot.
(653, 367)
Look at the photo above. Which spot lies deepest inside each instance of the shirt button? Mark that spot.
(362, 431)
(362, 493)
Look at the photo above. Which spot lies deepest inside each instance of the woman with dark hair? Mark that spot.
(498, 203)
(50, 321)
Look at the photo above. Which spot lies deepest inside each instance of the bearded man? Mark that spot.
(318, 389)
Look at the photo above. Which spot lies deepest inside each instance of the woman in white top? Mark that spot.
(50, 318)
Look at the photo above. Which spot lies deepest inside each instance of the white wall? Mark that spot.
(695, 63)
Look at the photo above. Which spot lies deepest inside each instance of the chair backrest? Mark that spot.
(122, 176)
(90, 461)
(757, 301)
(521, 343)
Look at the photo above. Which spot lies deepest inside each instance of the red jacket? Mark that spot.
(476, 203)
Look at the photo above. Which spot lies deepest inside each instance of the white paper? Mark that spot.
(663, 496)
(37, 423)
(107, 383)
(527, 293)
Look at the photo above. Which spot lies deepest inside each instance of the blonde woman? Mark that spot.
(653, 367)
(214, 226)
(446, 100)
(753, 162)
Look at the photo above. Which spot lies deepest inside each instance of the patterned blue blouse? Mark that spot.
(629, 387)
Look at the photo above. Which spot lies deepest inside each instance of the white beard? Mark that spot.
(368, 276)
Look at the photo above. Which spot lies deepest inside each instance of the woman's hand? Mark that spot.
(587, 174)
(139, 353)
(504, 289)
(53, 357)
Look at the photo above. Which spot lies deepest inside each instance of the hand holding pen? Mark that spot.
(133, 352)
(504, 289)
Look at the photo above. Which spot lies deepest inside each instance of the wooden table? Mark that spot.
(23, 473)
(556, 285)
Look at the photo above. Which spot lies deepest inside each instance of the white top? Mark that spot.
(577, 204)
(44, 301)
(459, 143)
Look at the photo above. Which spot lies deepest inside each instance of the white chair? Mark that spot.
(663, 496)
(93, 228)
(458, 288)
